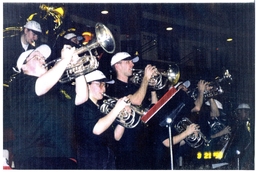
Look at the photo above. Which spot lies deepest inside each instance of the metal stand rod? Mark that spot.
(167, 123)
(238, 163)
(169, 120)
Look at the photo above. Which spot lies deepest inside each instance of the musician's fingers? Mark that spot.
(127, 101)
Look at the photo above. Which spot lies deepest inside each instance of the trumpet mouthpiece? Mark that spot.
(33, 43)
(51, 62)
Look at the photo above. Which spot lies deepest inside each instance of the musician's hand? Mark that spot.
(226, 130)
(67, 52)
(74, 59)
(208, 87)
(123, 103)
(150, 71)
(182, 87)
(201, 85)
(192, 128)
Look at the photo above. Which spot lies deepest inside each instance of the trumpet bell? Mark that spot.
(88, 63)
(161, 80)
(105, 38)
(173, 74)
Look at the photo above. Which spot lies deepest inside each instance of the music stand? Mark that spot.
(168, 119)
(167, 122)
(161, 103)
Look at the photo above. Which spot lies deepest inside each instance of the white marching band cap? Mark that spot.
(33, 25)
(219, 105)
(70, 36)
(243, 106)
(97, 75)
(123, 56)
(44, 49)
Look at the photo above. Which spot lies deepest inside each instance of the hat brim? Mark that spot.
(134, 59)
(246, 108)
(108, 81)
(35, 32)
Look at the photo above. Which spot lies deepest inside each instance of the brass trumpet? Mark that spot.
(160, 80)
(193, 140)
(125, 118)
(216, 127)
(216, 87)
(88, 63)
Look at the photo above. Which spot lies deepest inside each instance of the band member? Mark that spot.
(129, 148)
(94, 130)
(242, 141)
(217, 115)
(13, 46)
(41, 113)
(73, 38)
(217, 130)
(192, 111)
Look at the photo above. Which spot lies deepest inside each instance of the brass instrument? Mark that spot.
(12, 31)
(216, 127)
(216, 88)
(161, 79)
(125, 118)
(220, 143)
(88, 63)
(193, 140)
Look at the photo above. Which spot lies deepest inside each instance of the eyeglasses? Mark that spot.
(35, 57)
(99, 84)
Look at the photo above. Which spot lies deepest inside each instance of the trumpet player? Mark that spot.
(129, 152)
(15, 45)
(73, 38)
(242, 143)
(94, 130)
(217, 115)
(41, 114)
